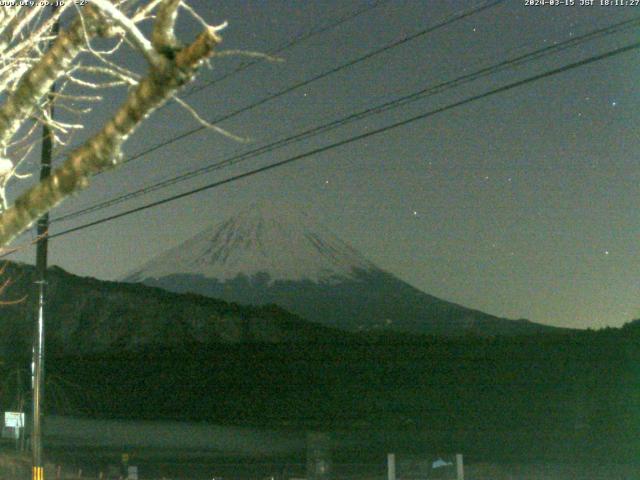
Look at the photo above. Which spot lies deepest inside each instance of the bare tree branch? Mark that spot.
(136, 36)
(36, 83)
(168, 72)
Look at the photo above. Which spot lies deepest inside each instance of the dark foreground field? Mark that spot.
(201, 451)
(545, 406)
(547, 398)
(167, 466)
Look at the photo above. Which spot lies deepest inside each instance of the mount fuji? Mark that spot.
(273, 254)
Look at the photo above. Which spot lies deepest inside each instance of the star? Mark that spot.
(606, 252)
(614, 103)
(415, 214)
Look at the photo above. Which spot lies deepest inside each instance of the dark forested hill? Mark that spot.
(85, 315)
(131, 351)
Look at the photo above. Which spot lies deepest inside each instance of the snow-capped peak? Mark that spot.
(268, 238)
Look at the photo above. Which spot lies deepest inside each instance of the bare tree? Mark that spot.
(32, 59)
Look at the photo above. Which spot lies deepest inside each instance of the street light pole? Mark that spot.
(41, 281)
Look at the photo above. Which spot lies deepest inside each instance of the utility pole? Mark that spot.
(41, 282)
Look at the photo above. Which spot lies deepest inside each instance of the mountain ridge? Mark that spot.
(273, 254)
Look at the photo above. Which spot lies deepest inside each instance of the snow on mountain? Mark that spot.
(269, 238)
(273, 254)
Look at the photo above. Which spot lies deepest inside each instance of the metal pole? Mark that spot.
(41, 281)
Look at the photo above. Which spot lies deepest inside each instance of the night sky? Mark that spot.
(522, 204)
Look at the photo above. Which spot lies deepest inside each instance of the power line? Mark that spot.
(449, 20)
(291, 43)
(362, 136)
(423, 93)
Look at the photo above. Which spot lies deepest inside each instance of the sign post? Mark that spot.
(13, 424)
